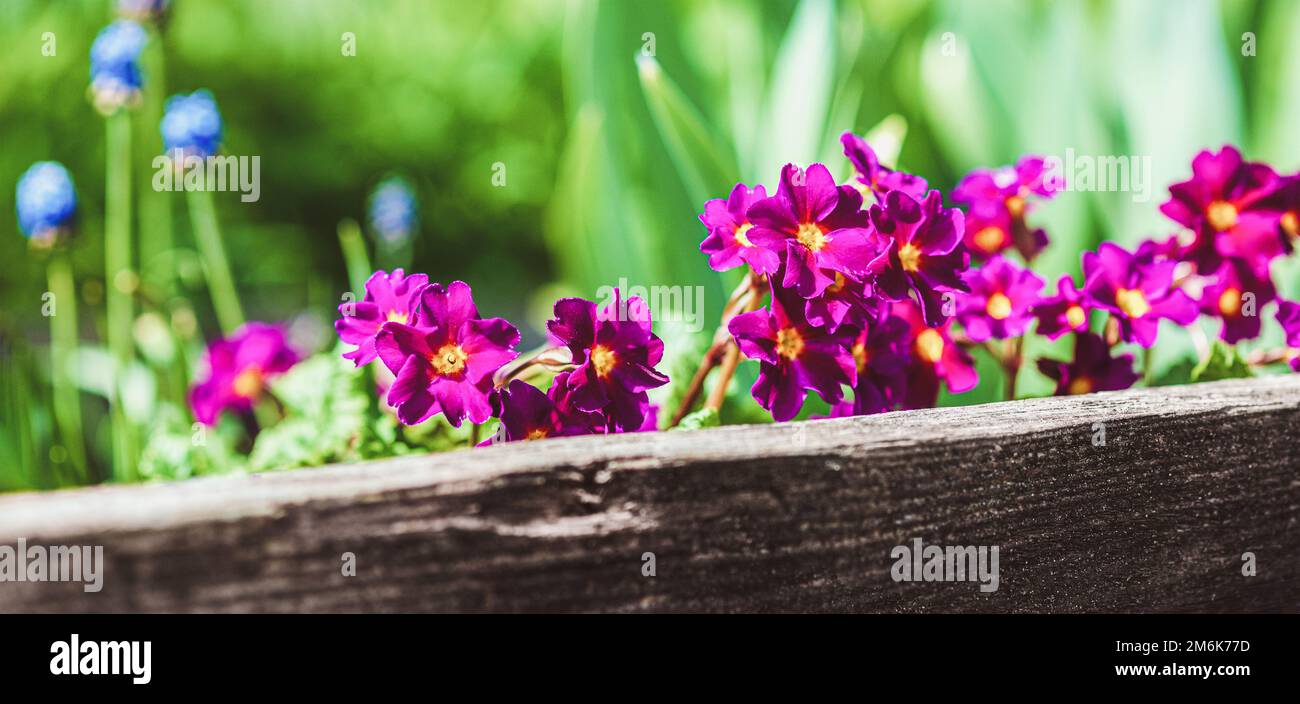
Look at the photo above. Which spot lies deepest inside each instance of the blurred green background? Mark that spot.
(614, 120)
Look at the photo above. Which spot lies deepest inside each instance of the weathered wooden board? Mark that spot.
(796, 517)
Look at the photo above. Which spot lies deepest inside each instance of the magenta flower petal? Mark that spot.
(1062, 313)
(795, 357)
(728, 244)
(238, 368)
(388, 297)
(1000, 302)
(615, 353)
(1136, 292)
(1092, 369)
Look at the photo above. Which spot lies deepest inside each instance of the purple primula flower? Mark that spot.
(1285, 201)
(1224, 204)
(389, 298)
(1235, 296)
(1000, 302)
(445, 359)
(1062, 313)
(816, 227)
(997, 201)
(1288, 316)
(615, 353)
(870, 177)
(1138, 294)
(933, 357)
(1092, 369)
(238, 368)
(795, 356)
(528, 414)
(847, 301)
(925, 251)
(728, 244)
(880, 356)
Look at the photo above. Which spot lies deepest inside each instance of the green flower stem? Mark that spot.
(1148, 367)
(118, 281)
(156, 217)
(221, 285)
(354, 255)
(63, 348)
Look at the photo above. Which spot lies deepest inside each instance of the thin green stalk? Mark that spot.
(354, 255)
(156, 217)
(117, 275)
(221, 285)
(63, 348)
(1147, 370)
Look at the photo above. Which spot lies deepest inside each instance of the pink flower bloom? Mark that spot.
(1000, 301)
(1062, 313)
(870, 177)
(728, 244)
(1138, 294)
(389, 298)
(816, 227)
(925, 252)
(1235, 296)
(1093, 369)
(880, 353)
(238, 369)
(1224, 204)
(997, 201)
(933, 357)
(615, 352)
(1288, 316)
(795, 357)
(528, 414)
(445, 360)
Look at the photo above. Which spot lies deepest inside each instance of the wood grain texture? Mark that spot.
(795, 517)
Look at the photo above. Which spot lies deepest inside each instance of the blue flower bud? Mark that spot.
(192, 124)
(115, 77)
(46, 201)
(393, 211)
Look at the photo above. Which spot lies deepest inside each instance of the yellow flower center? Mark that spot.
(1075, 316)
(248, 383)
(1291, 223)
(1222, 215)
(811, 236)
(536, 434)
(910, 257)
(999, 306)
(742, 239)
(1081, 385)
(1016, 206)
(789, 343)
(1230, 302)
(395, 316)
(1132, 302)
(860, 355)
(838, 285)
(929, 345)
(990, 238)
(603, 360)
(449, 360)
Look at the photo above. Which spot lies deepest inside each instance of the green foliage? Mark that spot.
(1223, 362)
(703, 418)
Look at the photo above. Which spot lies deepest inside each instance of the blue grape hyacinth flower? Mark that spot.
(192, 124)
(115, 77)
(46, 202)
(393, 211)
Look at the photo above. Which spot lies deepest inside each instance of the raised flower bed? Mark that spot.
(798, 516)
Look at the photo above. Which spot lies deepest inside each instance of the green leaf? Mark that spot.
(704, 168)
(703, 418)
(1223, 362)
(799, 96)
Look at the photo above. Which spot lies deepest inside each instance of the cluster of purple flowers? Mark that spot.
(877, 287)
(442, 357)
(859, 291)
